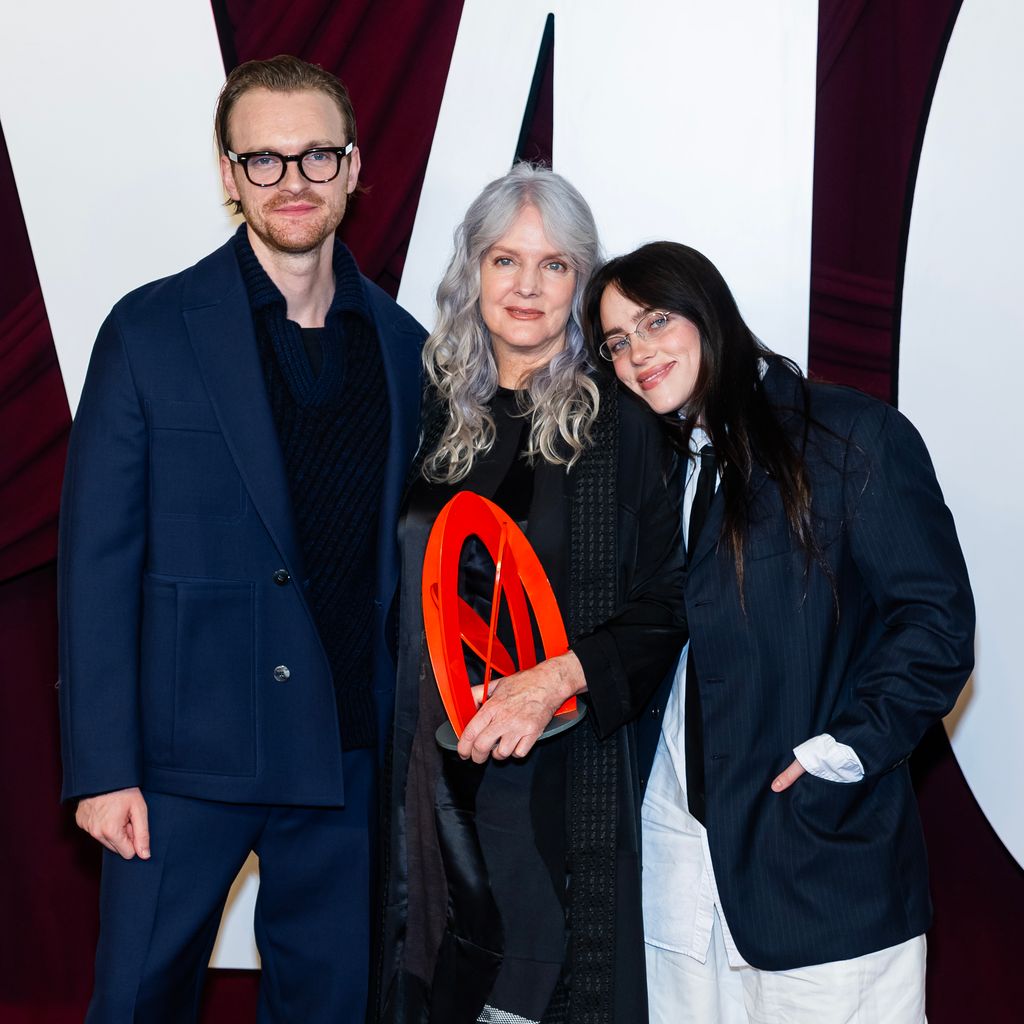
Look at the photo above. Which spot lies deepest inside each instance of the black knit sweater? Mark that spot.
(328, 397)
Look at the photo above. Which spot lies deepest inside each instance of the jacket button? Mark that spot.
(282, 673)
(655, 712)
(281, 577)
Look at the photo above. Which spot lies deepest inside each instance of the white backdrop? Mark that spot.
(962, 367)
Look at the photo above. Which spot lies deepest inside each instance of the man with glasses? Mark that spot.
(227, 562)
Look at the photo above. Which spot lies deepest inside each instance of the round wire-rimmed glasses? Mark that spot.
(318, 165)
(618, 345)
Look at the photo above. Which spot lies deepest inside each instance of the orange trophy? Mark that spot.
(450, 622)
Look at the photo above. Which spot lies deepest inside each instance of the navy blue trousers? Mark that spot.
(159, 918)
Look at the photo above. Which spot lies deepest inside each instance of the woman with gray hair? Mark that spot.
(512, 878)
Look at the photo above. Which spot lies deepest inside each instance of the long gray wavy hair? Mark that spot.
(560, 397)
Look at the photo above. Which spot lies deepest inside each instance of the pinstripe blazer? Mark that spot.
(826, 871)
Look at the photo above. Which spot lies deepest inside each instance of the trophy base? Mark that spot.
(447, 739)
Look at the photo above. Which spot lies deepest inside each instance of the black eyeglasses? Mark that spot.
(318, 165)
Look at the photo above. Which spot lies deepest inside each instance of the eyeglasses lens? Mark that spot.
(320, 165)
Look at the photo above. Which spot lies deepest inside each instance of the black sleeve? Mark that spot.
(626, 658)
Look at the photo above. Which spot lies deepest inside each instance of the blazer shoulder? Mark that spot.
(838, 404)
(861, 418)
(148, 300)
(830, 413)
(639, 427)
(847, 434)
(635, 419)
(206, 281)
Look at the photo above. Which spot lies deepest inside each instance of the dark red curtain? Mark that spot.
(34, 418)
(47, 875)
(876, 64)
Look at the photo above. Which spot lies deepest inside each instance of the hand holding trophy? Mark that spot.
(540, 700)
(520, 710)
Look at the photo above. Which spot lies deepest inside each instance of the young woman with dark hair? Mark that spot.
(831, 622)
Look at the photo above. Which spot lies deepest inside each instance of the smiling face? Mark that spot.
(295, 215)
(526, 293)
(661, 368)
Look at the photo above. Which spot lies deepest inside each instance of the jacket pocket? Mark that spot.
(191, 472)
(199, 704)
(834, 811)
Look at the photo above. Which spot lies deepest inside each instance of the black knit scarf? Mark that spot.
(594, 763)
(586, 995)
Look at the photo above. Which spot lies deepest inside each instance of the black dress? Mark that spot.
(479, 916)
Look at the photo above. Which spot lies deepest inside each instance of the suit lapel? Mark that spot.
(711, 532)
(783, 390)
(401, 372)
(708, 539)
(219, 322)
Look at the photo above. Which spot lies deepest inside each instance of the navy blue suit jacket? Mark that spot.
(826, 871)
(181, 577)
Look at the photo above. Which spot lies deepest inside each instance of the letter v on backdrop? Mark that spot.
(688, 120)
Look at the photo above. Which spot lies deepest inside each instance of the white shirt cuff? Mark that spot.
(826, 759)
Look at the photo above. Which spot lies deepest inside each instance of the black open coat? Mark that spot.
(626, 624)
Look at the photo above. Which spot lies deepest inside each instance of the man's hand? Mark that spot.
(788, 777)
(519, 708)
(119, 820)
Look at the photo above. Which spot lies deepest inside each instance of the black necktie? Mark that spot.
(707, 479)
(694, 723)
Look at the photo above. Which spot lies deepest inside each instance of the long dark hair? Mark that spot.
(728, 400)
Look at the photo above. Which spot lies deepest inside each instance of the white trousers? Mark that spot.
(886, 987)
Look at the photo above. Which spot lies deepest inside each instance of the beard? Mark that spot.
(304, 235)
